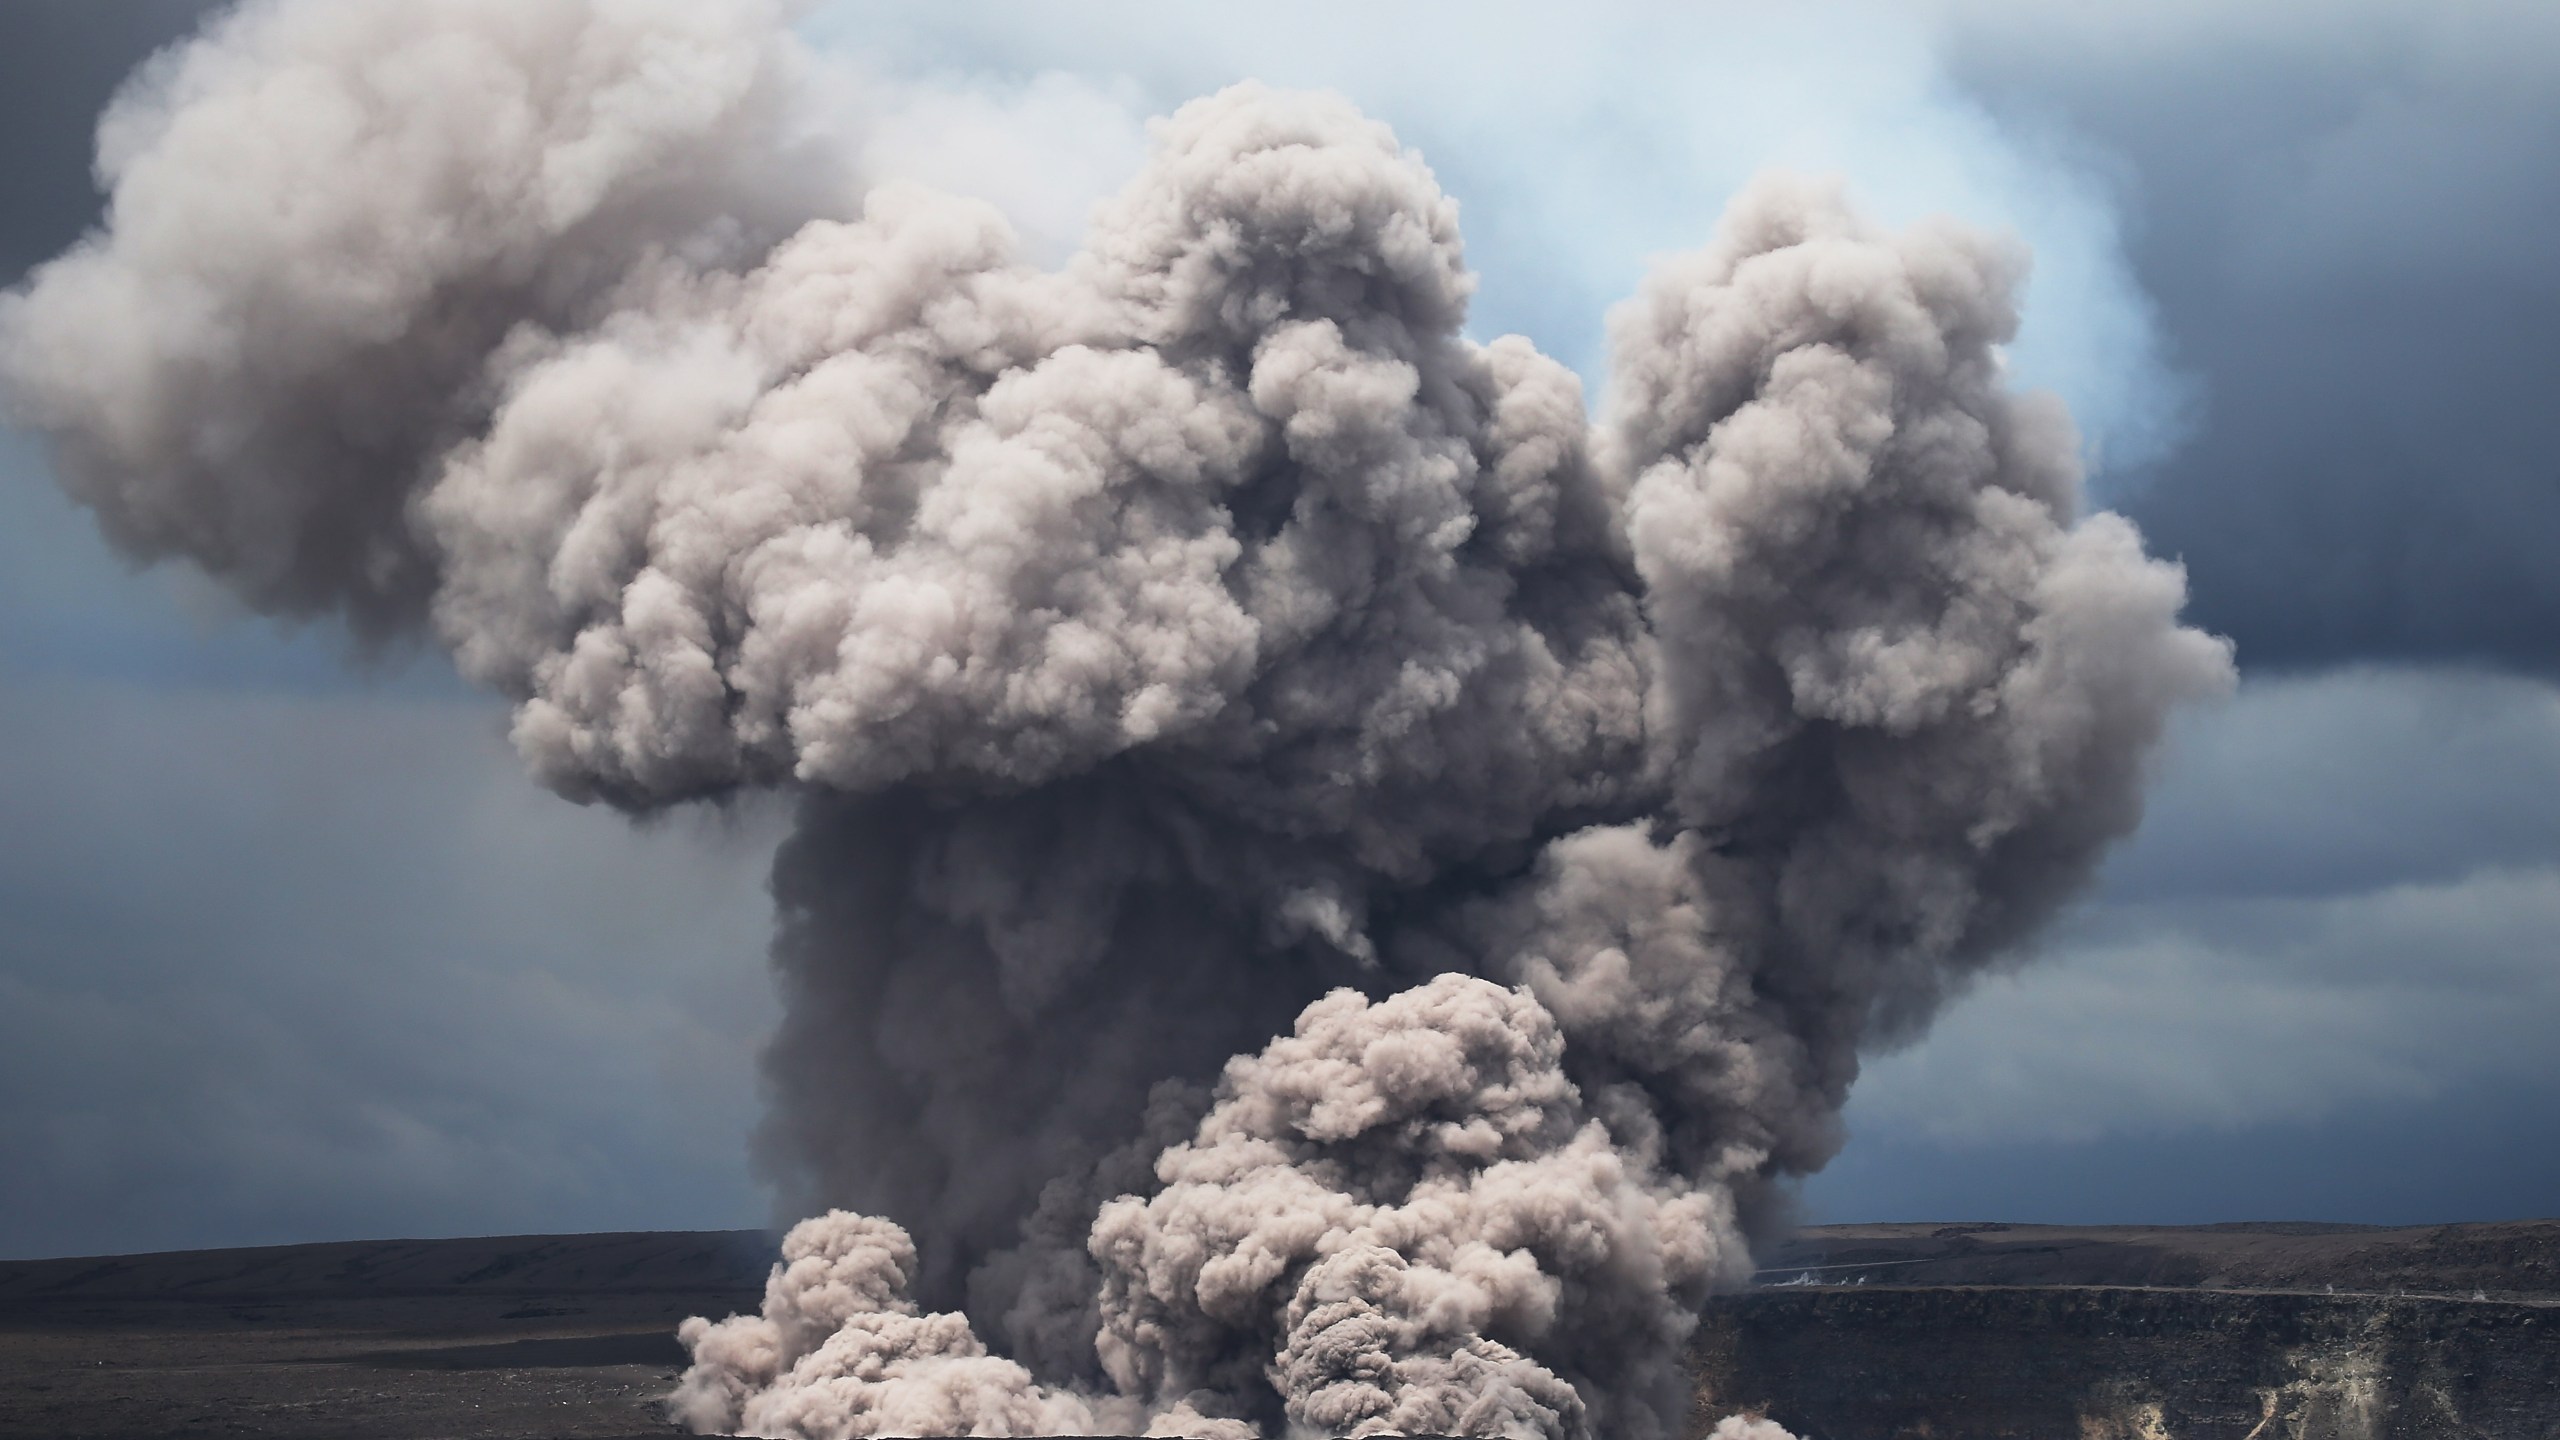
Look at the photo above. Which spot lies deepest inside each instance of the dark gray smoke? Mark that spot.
(1200, 643)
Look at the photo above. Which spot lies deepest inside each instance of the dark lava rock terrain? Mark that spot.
(2220, 1332)
(1878, 1332)
(555, 1335)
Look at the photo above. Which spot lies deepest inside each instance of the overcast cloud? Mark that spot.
(360, 980)
(2292, 275)
(59, 61)
(2345, 218)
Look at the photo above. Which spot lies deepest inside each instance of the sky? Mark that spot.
(290, 949)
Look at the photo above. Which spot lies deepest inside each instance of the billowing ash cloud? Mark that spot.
(1386, 1192)
(321, 221)
(1204, 642)
(1400, 1217)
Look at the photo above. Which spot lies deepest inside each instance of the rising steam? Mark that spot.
(1203, 642)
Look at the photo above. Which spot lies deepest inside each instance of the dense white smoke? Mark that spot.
(1202, 642)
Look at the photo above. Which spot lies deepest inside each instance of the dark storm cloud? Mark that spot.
(59, 61)
(2319, 984)
(2351, 781)
(2445, 1157)
(2347, 228)
(295, 967)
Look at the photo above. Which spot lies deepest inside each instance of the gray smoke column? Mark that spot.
(1201, 643)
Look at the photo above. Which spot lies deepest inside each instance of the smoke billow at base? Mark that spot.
(1333, 891)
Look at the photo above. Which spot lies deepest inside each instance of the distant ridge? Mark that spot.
(684, 1261)
(2515, 1259)
(2512, 1258)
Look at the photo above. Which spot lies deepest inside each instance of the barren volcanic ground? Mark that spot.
(538, 1335)
(2299, 1331)
(2220, 1332)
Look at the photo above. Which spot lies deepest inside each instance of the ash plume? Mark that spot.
(1414, 1202)
(1200, 643)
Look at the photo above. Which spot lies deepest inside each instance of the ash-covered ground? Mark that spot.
(2292, 1330)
